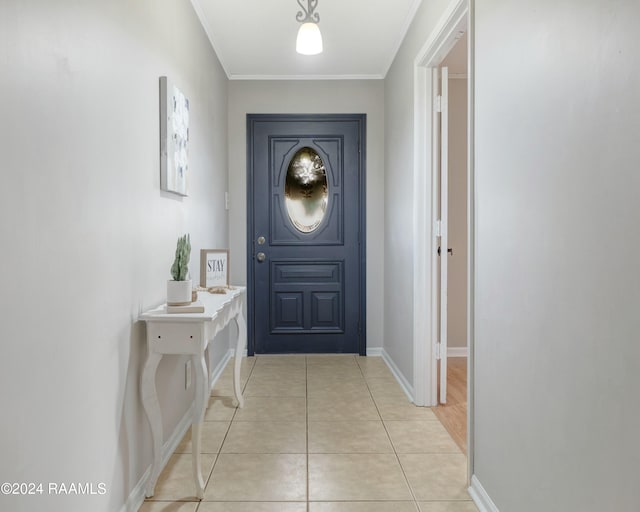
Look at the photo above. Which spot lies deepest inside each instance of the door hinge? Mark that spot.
(438, 355)
(438, 103)
(438, 228)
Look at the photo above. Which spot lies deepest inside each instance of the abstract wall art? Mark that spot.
(174, 138)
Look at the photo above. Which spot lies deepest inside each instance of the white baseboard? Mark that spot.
(404, 383)
(134, 502)
(374, 352)
(457, 351)
(217, 371)
(137, 495)
(480, 496)
(136, 498)
(232, 352)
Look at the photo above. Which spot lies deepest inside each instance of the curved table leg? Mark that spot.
(199, 408)
(152, 408)
(240, 345)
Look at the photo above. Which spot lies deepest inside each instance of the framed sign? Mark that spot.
(214, 267)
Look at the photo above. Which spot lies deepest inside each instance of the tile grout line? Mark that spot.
(379, 406)
(233, 417)
(306, 412)
(415, 501)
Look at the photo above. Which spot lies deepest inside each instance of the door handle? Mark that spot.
(449, 250)
(261, 257)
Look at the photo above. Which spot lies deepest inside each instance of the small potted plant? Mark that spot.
(179, 288)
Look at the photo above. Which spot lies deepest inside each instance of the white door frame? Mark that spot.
(458, 17)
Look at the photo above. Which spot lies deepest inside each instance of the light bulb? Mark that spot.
(309, 40)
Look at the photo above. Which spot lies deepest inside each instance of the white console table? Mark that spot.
(189, 334)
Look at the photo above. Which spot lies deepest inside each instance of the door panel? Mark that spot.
(322, 282)
(282, 231)
(306, 198)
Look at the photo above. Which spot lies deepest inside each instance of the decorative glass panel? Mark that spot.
(306, 190)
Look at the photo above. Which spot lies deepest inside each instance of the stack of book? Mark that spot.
(194, 307)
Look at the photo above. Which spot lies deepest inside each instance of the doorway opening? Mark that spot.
(452, 282)
(443, 81)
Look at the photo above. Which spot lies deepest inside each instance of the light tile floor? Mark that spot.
(318, 433)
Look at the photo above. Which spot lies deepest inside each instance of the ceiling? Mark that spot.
(255, 39)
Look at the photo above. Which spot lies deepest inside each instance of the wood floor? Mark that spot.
(453, 415)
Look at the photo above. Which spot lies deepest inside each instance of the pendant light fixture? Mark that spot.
(309, 41)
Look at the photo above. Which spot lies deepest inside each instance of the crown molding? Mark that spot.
(305, 77)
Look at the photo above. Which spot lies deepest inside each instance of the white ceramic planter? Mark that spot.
(178, 293)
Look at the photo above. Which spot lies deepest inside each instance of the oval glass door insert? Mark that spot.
(306, 190)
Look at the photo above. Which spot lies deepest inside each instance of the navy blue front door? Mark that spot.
(306, 233)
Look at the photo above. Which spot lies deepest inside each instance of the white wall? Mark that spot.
(88, 237)
(558, 250)
(357, 96)
(398, 183)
